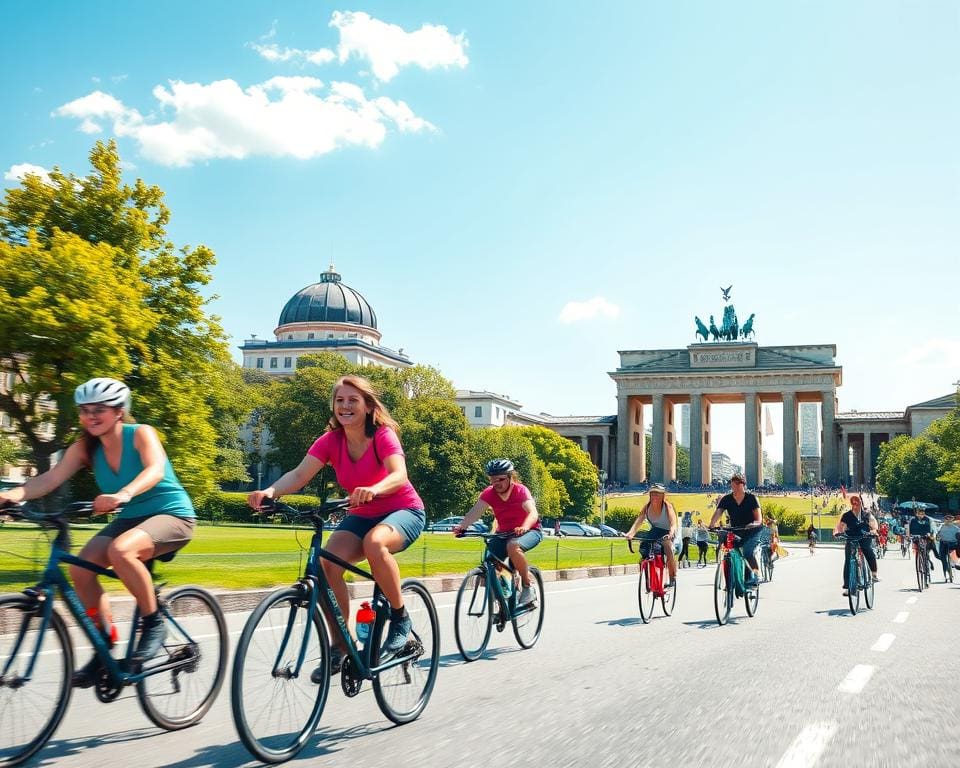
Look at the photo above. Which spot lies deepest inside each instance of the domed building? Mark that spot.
(328, 316)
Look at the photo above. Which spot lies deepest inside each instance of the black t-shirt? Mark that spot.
(856, 526)
(919, 527)
(741, 515)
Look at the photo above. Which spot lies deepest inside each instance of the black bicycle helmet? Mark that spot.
(499, 467)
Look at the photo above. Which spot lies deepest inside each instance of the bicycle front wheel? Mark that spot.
(921, 567)
(722, 595)
(866, 578)
(30, 712)
(646, 597)
(197, 642)
(528, 619)
(276, 707)
(669, 599)
(403, 691)
(853, 585)
(751, 597)
(473, 615)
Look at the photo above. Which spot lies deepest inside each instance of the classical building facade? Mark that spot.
(724, 372)
(327, 316)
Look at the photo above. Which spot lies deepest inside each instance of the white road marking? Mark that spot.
(808, 746)
(911, 600)
(883, 643)
(901, 617)
(857, 679)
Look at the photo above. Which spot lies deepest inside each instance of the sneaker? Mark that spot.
(86, 676)
(397, 634)
(875, 577)
(528, 596)
(336, 663)
(846, 591)
(750, 580)
(152, 635)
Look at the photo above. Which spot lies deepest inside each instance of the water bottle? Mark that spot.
(365, 618)
(106, 626)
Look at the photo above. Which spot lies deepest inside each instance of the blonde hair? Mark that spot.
(378, 416)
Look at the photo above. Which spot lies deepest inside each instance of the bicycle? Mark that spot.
(859, 578)
(882, 549)
(944, 550)
(175, 689)
(766, 562)
(811, 543)
(651, 585)
(488, 598)
(726, 585)
(922, 563)
(276, 707)
(904, 548)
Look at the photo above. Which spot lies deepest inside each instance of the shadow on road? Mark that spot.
(455, 659)
(59, 748)
(630, 621)
(835, 612)
(712, 623)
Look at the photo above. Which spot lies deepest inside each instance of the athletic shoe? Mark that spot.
(86, 676)
(336, 662)
(152, 635)
(528, 596)
(397, 634)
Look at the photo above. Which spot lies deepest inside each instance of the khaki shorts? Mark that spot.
(168, 532)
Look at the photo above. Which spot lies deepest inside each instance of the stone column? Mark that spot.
(752, 442)
(844, 460)
(867, 458)
(791, 441)
(828, 438)
(696, 438)
(621, 472)
(638, 446)
(670, 435)
(658, 445)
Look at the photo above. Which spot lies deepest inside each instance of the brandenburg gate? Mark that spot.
(731, 371)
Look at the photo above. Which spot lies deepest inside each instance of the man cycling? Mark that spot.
(920, 525)
(743, 510)
(949, 539)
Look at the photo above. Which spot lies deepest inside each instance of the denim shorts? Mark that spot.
(498, 547)
(654, 534)
(409, 523)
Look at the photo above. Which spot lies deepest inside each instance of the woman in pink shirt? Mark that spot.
(514, 510)
(386, 514)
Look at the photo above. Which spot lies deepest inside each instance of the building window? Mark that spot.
(273, 362)
(463, 410)
(259, 362)
(498, 411)
(636, 438)
(478, 411)
(309, 336)
(329, 335)
(288, 362)
(289, 335)
(669, 438)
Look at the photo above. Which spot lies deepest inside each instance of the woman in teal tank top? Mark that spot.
(134, 475)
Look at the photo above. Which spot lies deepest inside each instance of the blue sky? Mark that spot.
(476, 169)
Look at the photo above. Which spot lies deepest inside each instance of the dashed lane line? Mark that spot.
(901, 617)
(883, 643)
(911, 600)
(808, 746)
(857, 679)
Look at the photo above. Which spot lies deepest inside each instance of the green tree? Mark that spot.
(910, 467)
(164, 344)
(570, 466)
(945, 433)
(10, 451)
(683, 459)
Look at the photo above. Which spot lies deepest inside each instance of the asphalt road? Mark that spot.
(803, 683)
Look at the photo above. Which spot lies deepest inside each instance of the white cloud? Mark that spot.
(576, 311)
(388, 47)
(17, 172)
(274, 53)
(283, 116)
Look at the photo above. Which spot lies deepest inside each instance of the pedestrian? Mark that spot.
(701, 536)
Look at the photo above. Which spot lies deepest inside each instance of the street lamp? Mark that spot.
(603, 496)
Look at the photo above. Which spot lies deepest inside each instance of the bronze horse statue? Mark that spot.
(702, 330)
(714, 331)
(747, 330)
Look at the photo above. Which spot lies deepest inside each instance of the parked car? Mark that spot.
(446, 525)
(569, 528)
(606, 530)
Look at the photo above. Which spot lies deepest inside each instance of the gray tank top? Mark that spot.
(659, 521)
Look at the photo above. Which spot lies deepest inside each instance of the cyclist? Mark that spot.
(743, 509)
(663, 522)
(949, 539)
(884, 534)
(919, 525)
(772, 535)
(513, 510)
(386, 514)
(811, 538)
(858, 521)
(132, 471)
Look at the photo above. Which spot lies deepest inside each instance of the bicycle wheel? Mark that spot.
(645, 593)
(274, 710)
(528, 620)
(722, 594)
(30, 712)
(866, 579)
(197, 637)
(765, 564)
(404, 690)
(751, 597)
(473, 615)
(669, 599)
(903, 549)
(921, 568)
(853, 585)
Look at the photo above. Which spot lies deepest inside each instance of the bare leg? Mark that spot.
(519, 560)
(671, 560)
(85, 582)
(378, 547)
(127, 554)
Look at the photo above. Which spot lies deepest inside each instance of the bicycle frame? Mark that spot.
(654, 563)
(54, 580)
(491, 563)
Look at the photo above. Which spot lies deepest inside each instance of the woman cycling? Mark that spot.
(131, 470)
(663, 522)
(811, 538)
(858, 522)
(386, 514)
(513, 510)
(773, 537)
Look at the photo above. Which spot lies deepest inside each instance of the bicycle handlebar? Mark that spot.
(323, 512)
(485, 535)
(634, 538)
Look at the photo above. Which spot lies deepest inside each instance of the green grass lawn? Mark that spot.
(257, 557)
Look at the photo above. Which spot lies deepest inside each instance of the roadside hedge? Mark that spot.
(232, 507)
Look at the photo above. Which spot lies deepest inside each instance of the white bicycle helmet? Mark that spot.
(103, 392)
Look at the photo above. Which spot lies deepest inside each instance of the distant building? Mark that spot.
(684, 437)
(486, 409)
(809, 430)
(722, 467)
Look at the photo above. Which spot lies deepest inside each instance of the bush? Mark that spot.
(620, 518)
(232, 507)
(787, 522)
